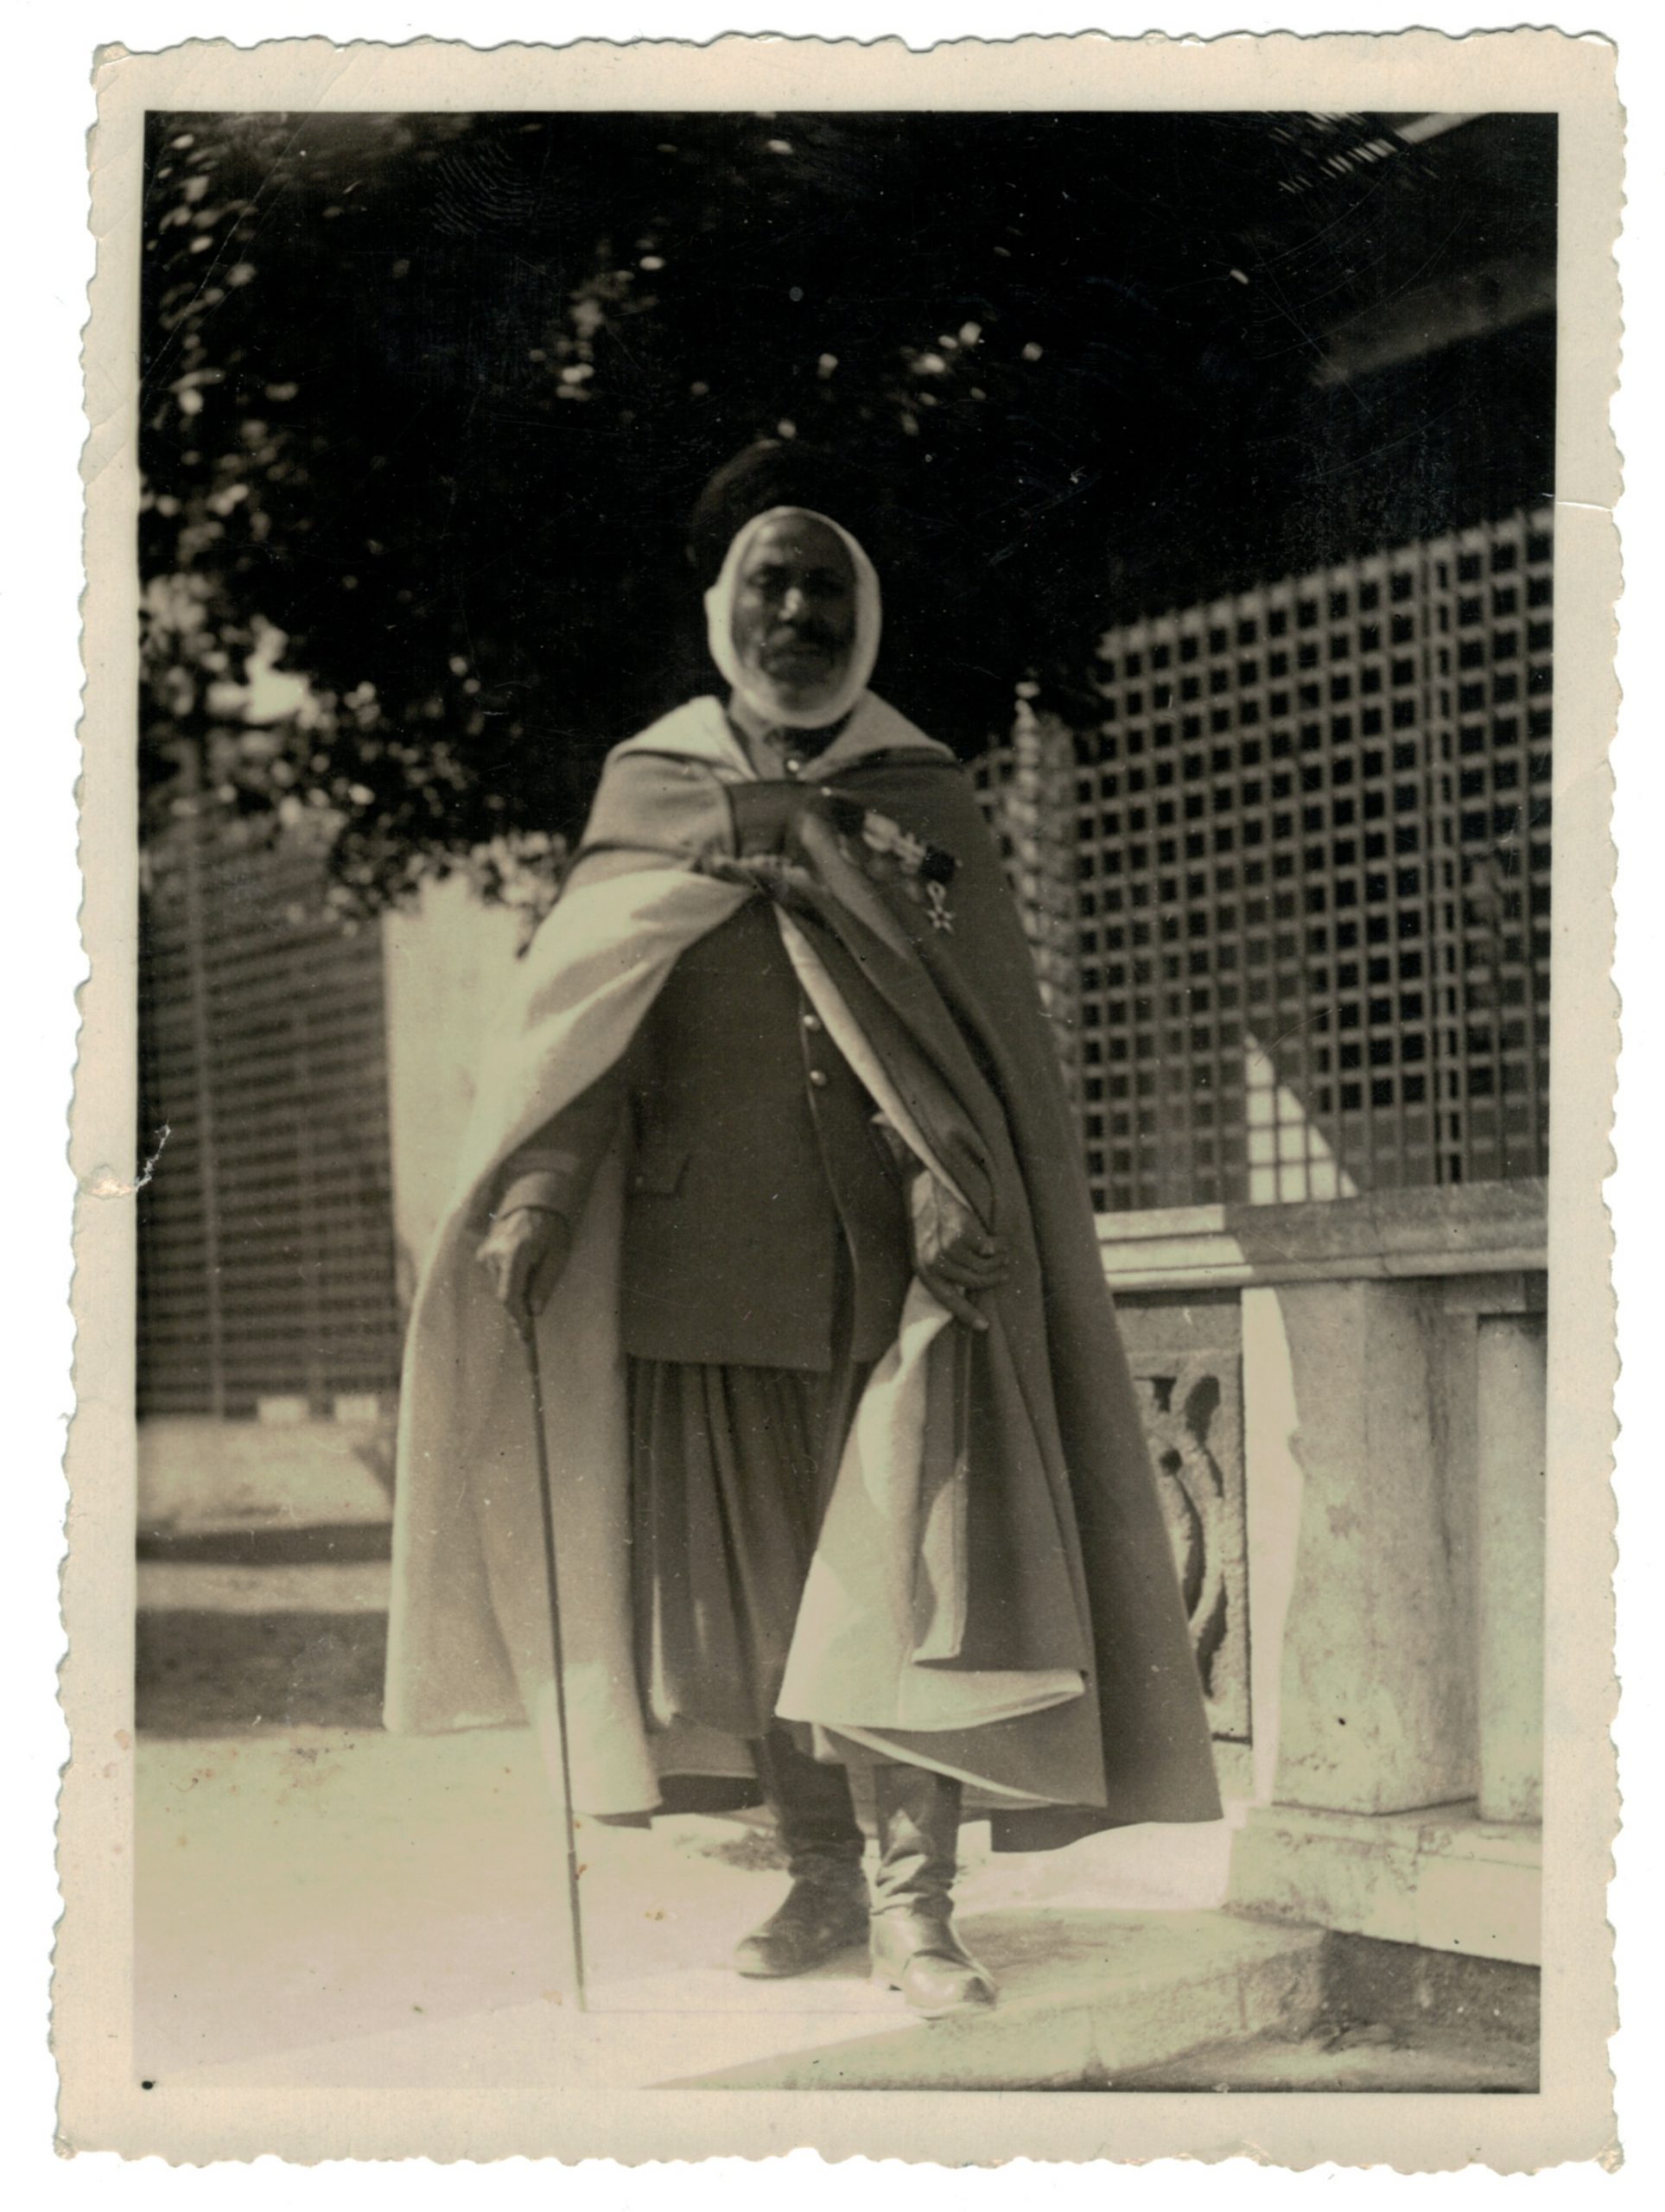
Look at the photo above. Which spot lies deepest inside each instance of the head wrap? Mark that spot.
(758, 693)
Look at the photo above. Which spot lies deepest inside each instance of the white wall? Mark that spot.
(448, 961)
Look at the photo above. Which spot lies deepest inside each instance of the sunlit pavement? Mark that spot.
(319, 1902)
(325, 1905)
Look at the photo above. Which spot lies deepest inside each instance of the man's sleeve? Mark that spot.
(553, 1171)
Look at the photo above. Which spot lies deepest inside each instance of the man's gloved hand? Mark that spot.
(951, 1256)
(524, 1253)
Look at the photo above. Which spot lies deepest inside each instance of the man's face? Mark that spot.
(794, 622)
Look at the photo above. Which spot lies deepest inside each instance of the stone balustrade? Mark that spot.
(1346, 1404)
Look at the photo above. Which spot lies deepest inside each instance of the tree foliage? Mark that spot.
(426, 401)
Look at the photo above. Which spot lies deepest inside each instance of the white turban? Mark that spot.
(753, 687)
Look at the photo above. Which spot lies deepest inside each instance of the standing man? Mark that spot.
(848, 1467)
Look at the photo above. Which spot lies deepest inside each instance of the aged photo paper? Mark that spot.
(507, 1560)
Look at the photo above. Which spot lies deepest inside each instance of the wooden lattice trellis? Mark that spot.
(1312, 838)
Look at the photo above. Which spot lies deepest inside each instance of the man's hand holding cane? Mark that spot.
(525, 1254)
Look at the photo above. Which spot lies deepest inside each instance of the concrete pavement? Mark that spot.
(319, 1903)
(327, 1904)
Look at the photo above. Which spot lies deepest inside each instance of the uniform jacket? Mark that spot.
(755, 1162)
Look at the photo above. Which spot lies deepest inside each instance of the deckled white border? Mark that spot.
(103, 2106)
(55, 99)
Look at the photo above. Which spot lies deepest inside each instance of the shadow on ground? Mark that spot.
(205, 1674)
(339, 1543)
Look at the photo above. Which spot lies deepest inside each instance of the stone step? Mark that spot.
(1395, 2018)
(1441, 1879)
(1086, 1997)
(1358, 2062)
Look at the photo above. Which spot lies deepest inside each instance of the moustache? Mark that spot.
(809, 633)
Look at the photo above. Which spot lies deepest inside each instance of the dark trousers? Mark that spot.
(730, 1469)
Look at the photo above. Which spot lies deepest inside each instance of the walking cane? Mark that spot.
(527, 1326)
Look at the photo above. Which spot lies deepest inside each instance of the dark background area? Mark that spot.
(432, 396)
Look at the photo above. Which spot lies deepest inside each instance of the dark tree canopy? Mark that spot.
(427, 402)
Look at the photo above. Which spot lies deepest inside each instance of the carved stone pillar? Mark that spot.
(1187, 1366)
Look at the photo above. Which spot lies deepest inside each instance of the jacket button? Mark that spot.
(818, 1078)
(812, 1023)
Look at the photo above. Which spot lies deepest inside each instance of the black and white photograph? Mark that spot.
(842, 1336)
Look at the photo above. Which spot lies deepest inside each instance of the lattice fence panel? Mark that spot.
(266, 1257)
(1312, 833)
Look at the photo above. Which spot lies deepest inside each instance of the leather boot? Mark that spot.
(826, 1907)
(915, 1949)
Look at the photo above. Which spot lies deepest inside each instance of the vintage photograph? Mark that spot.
(842, 1303)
